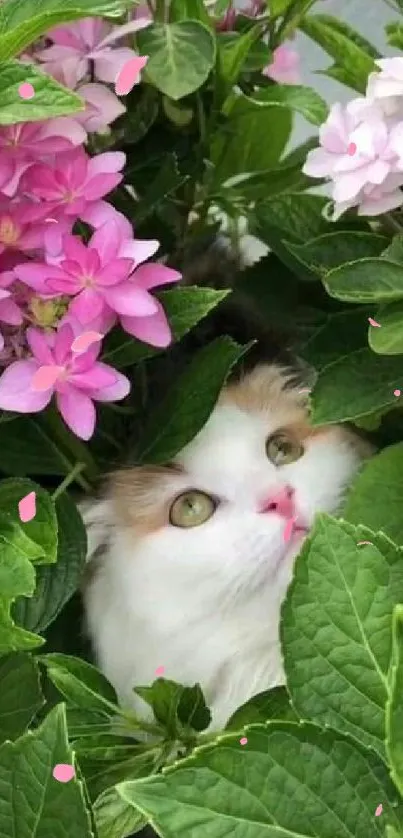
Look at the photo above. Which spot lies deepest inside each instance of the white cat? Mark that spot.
(192, 561)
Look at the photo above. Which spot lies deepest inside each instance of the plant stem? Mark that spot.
(73, 446)
(70, 478)
(159, 13)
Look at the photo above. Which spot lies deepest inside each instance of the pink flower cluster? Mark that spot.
(54, 288)
(361, 146)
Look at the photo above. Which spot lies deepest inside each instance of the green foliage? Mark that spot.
(50, 99)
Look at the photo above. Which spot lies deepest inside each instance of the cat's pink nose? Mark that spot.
(281, 502)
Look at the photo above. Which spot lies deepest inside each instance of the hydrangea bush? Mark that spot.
(108, 179)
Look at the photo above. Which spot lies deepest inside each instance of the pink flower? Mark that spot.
(386, 87)
(77, 380)
(79, 44)
(27, 142)
(75, 181)
(102, 107)
(359, 155)
(285, 66)
(22, 225)
(10, 312)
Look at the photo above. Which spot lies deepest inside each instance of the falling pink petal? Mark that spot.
(26, 91)
(373, 322)
(82, 342)
(396, 392)
(305, 390)
(288, 529)
(51, 221)
(160, 670)
(27, 507)
(45, 377)
(63, 772)
(129, 74)
(363, 542)
(378, 810)
(351, 149)
(244, 740)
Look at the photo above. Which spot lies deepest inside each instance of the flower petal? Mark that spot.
(154, 330)
(87, 306)
(16, 392)
(154, 274)
(78, 412)
(125, 298)
(118, 390)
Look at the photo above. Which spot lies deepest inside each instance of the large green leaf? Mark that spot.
(184, 307)
(23, 21)
(335, 628)
(355, 385)
(32, 802)
(56, 584)
(232, 53)
(303, 100)
(189, 402)
(384, 470)
(366, 281)
(354, 57)
(229, 789)
(344, 330)
(115, 817)
(273, 704)
(43, 527)
(388, 338)
(394, 708)
(80, 683)
(298, 216)
(50, 99)
(244, 118)
(28, 448)
(334, 249)
(17, 578)
(20, 694)
(181, 56)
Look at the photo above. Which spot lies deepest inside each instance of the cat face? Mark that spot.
(226, 519)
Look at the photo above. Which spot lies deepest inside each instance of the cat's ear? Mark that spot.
(97, 517)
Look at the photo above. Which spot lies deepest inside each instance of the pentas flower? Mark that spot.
(24, 143)
(76, 380)
(74, 182)
(359, 154)
(285, 67)
(85, 44)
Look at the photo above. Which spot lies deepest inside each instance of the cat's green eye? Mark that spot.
(192, 509)
(282, 449)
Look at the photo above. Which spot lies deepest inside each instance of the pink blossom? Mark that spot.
(79, 44)
(22, 225)
(10, 312)
(386, 87)
(77, 380)
(27, 142)
(75, 182)
(102, 107)
(359, 155)
(285, 67)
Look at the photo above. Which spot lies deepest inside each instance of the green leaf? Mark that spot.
(81, 684)
(50, 99)
(254, 123)
(43, 527)
(32, 801)
(23, 21)
(388, 340)
(231, 57)
(273, 704)
(298, 216)
(100, 774)
(28, 448)
(384, 470)
(354, 55)
(20, 694)
(394, 34)
(184, 307)
(114, 817)
(181, 56)
(366, 281)
(167, 182)
(55, 585)
(262, 185)
(345, 331)
(335, 628)
(189, 10)
(355, 385)
(304, 100)
(189, 402)
(331, 250)
(17, 578)
(394, 707)
(228, 789)
(394, 251)
(174, 705)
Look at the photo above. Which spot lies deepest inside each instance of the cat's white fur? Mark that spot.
(204, 603)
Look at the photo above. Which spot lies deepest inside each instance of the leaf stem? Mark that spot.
(70, 478)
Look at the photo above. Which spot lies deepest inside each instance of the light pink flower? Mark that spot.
(78, 380)
(74, 182)
(79, 44)
(285, 67)
(359, 156)
(102, 107)
(386, 87)
(27, 142)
